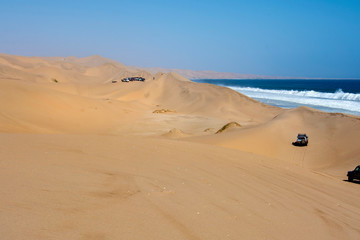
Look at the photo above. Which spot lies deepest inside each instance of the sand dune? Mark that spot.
(102, 187)
(332, 139)
(90, 157)
(70, 96)
(193, 74)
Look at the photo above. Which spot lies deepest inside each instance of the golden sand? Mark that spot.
(83, 156)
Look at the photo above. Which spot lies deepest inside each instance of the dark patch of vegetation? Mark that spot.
(164, 111)
(227, 126)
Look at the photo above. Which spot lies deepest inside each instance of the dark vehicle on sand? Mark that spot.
(302, 140)
(355, 174)
(131, 79)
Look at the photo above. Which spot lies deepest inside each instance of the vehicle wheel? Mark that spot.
(350, 179)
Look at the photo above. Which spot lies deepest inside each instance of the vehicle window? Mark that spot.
(357, 169)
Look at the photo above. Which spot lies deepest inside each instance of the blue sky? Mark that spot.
(275, 38)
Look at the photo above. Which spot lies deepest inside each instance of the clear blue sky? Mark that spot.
(303, 38)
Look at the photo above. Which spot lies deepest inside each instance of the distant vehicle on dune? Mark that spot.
(131, 79)
(302, 140)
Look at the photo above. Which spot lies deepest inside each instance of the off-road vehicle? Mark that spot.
(355, 174)
(302, 140)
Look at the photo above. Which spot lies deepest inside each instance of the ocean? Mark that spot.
(340, 95)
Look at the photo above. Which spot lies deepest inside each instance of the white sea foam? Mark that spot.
(350, 102)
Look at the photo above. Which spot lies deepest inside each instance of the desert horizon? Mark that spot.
(87, 156)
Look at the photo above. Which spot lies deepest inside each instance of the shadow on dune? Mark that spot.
(299, 145)
(354, 181)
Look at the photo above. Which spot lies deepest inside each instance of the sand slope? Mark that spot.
(90, 157)
(332, 139)
(93, 187)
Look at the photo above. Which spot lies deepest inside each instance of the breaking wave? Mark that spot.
(337, 100)
(339, 94)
